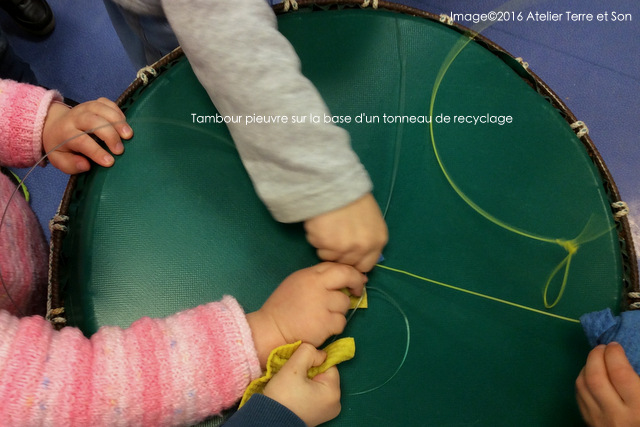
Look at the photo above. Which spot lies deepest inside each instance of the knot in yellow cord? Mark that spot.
(569, 245)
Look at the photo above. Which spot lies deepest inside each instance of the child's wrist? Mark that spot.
(56, 110)
(266, 335)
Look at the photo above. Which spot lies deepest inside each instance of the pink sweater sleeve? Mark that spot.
(23, 109)
(158, 372)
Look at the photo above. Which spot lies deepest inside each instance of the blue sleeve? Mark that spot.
(264, 412)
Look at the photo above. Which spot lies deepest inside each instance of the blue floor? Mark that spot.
(593, 67)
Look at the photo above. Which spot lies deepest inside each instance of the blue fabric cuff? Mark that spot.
(264, 412)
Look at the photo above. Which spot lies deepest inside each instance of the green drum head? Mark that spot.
(486, 221)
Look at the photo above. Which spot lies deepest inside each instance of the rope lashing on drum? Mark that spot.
(58, 222)
(365, 3)
(580, 128)
(55, 315)
(636, 296)
(290, 4)
(522, 62)
(446, 19)
(142, 74)
(571, 246)
(622, 210)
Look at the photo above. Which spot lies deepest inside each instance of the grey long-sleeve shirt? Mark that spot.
(248, 67)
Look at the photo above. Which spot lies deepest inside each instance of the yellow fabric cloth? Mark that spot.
(337, 352)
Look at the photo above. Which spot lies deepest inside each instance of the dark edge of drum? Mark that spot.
(56, 304)
(629, 260)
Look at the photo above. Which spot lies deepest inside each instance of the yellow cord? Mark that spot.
(478, 294)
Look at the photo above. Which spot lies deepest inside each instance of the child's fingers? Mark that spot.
(623, 377)
(109, 103)
(330, 377)
(585, 400)
(339, 302)
(305, 357)
(362, 262)
(94, 115)
(106, 108)
(368, 261)
(336, 324)
(330, 380)
(587, 405)
(328, 254)
(596, 379)
(86, 146)
(118, 120)
(69, 163)
(343, 257)
(99, 111)
(104, 128)
(111, 138)
(340, 276)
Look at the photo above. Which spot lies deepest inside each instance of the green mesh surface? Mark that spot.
(175, 223)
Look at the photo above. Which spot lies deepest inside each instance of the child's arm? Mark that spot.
(291, 398)
(33, 121)
(172, 371)
(608, 389)
(302, 171)
(23, 109)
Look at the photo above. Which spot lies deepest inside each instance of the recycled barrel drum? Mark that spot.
(499, 207)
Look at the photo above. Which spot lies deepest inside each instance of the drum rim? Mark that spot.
(631, 285)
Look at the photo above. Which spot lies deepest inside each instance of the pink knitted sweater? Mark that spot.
(158, 372)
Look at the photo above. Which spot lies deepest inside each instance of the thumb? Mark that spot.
(330, 378)
(622, 375)
(305, 357)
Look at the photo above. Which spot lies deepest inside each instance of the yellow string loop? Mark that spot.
(571, 246)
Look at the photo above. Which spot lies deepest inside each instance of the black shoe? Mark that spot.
(34, 16)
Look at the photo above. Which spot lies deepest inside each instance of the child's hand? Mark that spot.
(308, 306)
(63, 123)
(315, 400)
(353, 235)
(608, 389)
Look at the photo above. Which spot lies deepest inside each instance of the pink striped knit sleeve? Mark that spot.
(23, 255)
(158, 372)
(23, 109)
